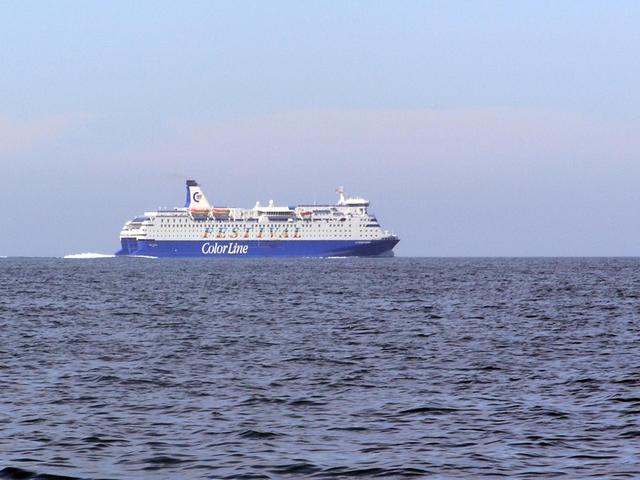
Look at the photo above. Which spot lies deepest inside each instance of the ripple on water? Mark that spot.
(354, 368)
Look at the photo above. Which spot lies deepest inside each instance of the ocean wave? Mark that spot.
(426, 368)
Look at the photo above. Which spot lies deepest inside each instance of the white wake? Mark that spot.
(88, 255)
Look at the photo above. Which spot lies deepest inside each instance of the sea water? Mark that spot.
(319, 368)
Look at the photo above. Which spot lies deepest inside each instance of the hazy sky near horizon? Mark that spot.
(473, 127)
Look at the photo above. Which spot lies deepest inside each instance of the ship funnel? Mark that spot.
(195, 197)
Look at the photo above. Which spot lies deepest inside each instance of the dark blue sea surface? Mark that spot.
(327, 368)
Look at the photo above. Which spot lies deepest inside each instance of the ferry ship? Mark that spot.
(199, 229)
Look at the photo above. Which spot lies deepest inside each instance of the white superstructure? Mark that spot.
(349, 219)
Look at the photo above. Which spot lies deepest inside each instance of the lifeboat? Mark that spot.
(199, 213)
(220, 212)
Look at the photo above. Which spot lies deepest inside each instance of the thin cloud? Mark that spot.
(19, 135)
(422, 139)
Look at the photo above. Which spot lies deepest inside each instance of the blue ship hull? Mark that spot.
(257, 248)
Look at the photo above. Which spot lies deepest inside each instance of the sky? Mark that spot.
(475, 128)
